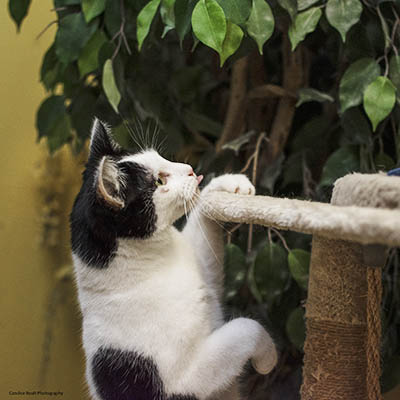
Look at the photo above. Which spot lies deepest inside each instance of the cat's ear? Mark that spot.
(109, 183)
(101, 141)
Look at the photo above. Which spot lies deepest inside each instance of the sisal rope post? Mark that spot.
(342, 348)
(374, 299)
(335, 362)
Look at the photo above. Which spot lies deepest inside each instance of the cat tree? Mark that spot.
(350, 238)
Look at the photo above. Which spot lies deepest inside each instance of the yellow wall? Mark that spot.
(27, 268)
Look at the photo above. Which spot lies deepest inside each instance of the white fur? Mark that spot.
(161, 296)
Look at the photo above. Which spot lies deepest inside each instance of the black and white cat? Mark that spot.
(153, 325)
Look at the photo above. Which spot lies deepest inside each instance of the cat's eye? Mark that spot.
(160, 181)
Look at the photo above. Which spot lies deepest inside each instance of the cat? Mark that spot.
(150, 296)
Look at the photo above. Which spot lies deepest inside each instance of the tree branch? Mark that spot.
(235, 116)
(121, 33)
(269, 90)
(294, 77)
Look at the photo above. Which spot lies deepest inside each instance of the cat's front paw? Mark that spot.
(267, 356)
(231, 183)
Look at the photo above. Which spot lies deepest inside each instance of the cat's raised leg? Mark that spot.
(205, 234)
(219, 360)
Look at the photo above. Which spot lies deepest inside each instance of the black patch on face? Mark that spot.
(95, 226)
(138, 218)
(127, 375)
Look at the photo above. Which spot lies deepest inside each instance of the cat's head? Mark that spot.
(136, 194)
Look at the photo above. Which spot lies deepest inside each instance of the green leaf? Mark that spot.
(70, 80)
(110, 86)
(112, 18)
(355, 80)
(237, 143)
(144, 20)
(304, 4)
(235, 270)
(305, 23)
(236, 11)
(379, 100)
(53, 123)
(65, 7)
(50, 111)
(62, 3)
(202, 123)
(271, 272)
(92, 8)
(340, 163)
(49, 70)
(82, 111)
(290, 6)
(60, 134)
(296, 327)
(299, 265)
(233, 38)
(18, 10)
(343, 14)
(183, 17)
(106, 51)
(385, 28)
(309, 94)
(209, 24)
(72, 35)
(356, 127)
(89, 58)
(394, 73)
(167, 15)
(261, 23)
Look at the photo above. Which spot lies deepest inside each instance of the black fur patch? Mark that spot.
(95, 226)
(126, 375)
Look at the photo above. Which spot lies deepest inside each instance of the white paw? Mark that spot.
(232, 183)
(267, 359)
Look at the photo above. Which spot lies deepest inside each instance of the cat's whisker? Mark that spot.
(198, 221)
(154, 137)
(201, 212)
(185, 208)
(162, 147)
(204, 212)
(139, 130)
(132, 134)
(148, 137)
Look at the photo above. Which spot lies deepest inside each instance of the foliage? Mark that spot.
(321, 77)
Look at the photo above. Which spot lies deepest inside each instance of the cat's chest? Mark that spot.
(171, 305)
(153, 284)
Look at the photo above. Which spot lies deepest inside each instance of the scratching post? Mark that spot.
(350, 237)
(342, 349)
(335, 361)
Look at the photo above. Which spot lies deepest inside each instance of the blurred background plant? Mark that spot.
(295, 93)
